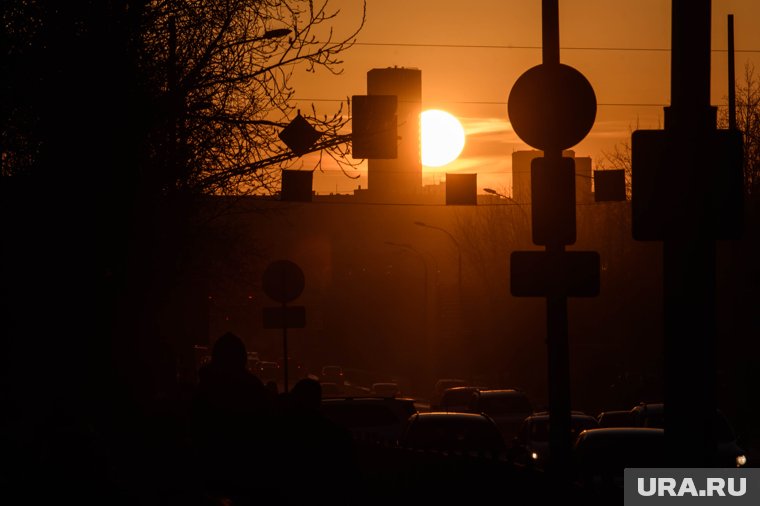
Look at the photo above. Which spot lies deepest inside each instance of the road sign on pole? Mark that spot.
(552, 203)
(552, 107)
(283, 281)
(374, 126)
(292, 317)
(542, 274)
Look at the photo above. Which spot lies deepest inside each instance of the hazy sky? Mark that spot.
(620, 46)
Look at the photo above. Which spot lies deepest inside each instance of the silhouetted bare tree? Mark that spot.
(222, 73)
(748, 122)
(620, 159)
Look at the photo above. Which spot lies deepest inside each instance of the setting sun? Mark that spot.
(442, 138)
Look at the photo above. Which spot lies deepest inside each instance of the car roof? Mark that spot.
(615, 412)
(622, 432)
(440, 415)
(545, 416)
(367, 399)
(461, 389)
(501, 392)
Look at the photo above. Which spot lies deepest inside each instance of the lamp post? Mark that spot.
(427, 319)
(459, 255)
(458, 326)
(510, 199)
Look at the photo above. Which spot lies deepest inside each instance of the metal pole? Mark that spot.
(285, 345)
(689, 257)
(558, 360)
(550, 31)
(731, 75)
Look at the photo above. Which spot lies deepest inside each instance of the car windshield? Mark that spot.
(505, 404)
(456, 397)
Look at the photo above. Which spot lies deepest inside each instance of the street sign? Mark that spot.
(552, 107)
(374, 126)
(296, 186)
(461, 189)
(609, 185)
(565, 274)
(299, 135)
(677, 188)
(283, 281)
(291, 317)
(553, 201)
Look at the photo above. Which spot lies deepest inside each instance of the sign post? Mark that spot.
(283, 281)
(687, 191)
(552, 107)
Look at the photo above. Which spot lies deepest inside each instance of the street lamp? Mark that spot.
(494, 192)
(427, 320)
(459, 255)
(505, 197)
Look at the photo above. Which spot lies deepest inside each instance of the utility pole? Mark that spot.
(687, 193)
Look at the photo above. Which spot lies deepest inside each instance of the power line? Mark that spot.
(327, 201)
(568, 48)
(489, 102)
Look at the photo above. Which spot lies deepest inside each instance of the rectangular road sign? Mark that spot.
(567, 273)
(374, 126)
(292, 317)
(552, 191)
(681, 182)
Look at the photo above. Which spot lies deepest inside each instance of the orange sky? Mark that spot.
(473, 83)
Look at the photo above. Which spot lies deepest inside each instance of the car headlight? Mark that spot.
(741, 460)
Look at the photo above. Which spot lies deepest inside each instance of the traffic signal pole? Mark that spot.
(689, 253)
(687, 191)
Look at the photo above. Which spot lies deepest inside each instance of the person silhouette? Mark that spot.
(231, 414)
(321, 449)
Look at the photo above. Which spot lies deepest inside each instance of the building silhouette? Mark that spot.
(398, 180)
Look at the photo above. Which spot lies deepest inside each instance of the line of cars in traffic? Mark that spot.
(466, 419)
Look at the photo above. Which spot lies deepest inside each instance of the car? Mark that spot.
(452, 432)
(729, 453)
(332, 374)
(457, 399)
(531, 445)
(441, 386)
(507, 407)
(296, 369)
(388, 389)
(375, 418)
(602, 455)
(616, 419)
(267, 371)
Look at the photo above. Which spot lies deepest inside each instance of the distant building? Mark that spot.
(400, 179)
(521, 161)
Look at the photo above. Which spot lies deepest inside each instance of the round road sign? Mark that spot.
(283, 281)
(552, 107)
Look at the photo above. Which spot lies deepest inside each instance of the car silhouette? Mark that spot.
(453, 432)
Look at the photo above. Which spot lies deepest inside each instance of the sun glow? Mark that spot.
(442, 138)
